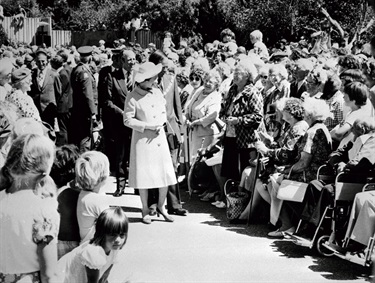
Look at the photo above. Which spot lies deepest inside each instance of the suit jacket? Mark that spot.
(295, 92)
(168, 86)
(64, 99)
(45, 95)
(114, 96)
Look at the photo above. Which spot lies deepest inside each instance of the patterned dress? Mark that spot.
(318, 143)
(25, 104)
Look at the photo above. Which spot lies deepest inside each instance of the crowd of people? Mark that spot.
(70, 118)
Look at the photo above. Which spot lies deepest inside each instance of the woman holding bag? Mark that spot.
(313, 151)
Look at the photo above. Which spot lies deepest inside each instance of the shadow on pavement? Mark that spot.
(257, 227)
(332, 268)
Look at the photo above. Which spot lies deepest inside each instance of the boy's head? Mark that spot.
(92, 169)
(256, 36)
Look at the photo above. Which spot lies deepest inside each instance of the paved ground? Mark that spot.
(204, 247)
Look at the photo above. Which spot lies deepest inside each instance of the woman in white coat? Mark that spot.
(150, 161)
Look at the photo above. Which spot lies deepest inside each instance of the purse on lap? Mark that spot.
(292, 190)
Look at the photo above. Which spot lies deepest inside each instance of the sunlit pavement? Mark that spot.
(204, 247)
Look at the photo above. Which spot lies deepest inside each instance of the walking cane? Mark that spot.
(257, 171)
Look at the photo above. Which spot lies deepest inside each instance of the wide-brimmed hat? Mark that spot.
(146, 71)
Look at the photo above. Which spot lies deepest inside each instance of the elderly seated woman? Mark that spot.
(356, 157)
(279, 152)
(313, 150)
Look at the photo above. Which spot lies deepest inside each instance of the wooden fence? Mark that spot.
(36, 31)
(28, 31)
(61, 37)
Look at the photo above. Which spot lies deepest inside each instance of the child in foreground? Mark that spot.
(92, 261)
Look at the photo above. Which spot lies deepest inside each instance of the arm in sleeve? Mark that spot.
(87, 90)
(107, 95)
(57, 86)
(129, 116)
(255, 110)
(212, 111)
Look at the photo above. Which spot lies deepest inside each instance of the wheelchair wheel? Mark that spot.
(321, 249)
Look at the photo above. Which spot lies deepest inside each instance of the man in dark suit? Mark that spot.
(45, 86)
(118, 84)
(64, 100)
(84, 110)
(302, 68)
(108, 130)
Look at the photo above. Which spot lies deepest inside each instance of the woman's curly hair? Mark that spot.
(198, 72)
(295, 108)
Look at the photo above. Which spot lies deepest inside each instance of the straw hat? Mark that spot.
(146, 71)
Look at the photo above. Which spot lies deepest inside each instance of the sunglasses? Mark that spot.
(264, 77)
(195, 78)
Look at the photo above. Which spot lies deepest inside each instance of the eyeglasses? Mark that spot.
(264, 76)
(195, 78)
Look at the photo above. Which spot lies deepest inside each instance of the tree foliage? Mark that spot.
(277, 19)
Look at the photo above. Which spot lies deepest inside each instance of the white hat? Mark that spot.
(146, 71)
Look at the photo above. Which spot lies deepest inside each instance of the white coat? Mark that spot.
(150, 161)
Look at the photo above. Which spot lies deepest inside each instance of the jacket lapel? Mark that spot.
(120, 77)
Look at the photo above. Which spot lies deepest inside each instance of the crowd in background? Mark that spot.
(69, 118)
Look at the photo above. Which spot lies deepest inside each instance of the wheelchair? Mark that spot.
(340, 250)
(334, 219)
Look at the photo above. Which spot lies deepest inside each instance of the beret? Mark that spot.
(19, 74)
(85, 50)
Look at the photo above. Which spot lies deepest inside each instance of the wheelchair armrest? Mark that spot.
(368, 187)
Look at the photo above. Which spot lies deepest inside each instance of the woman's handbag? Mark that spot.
(219, 124)
(292, 190)
(236, 201)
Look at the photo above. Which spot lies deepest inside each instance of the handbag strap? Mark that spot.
(290, 172)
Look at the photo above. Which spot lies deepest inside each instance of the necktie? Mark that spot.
(129, 84)
(40, 79)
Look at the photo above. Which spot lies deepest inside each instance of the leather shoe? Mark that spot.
(178, 211)
(118, 193)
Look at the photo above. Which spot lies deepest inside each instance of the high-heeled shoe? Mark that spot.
(146, 218)
(167, 217)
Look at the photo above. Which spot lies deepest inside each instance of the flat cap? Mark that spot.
(85, 50)
(19, 74)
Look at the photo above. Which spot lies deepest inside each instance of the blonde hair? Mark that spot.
(27, 125)
(257, 34)
(92, 168)
(29, 156)
(317, 109)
